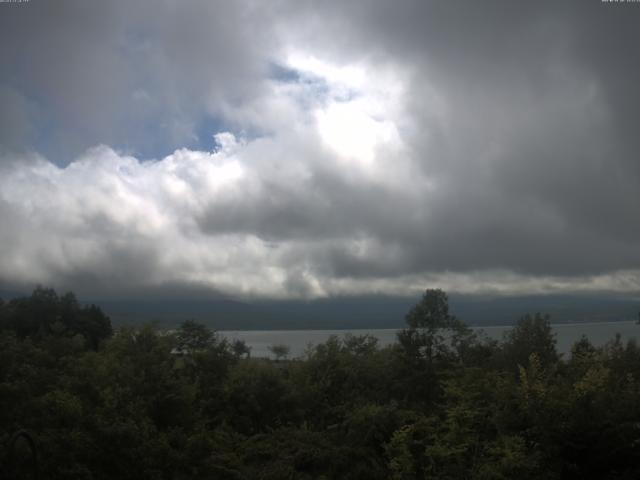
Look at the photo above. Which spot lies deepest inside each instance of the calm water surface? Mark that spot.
(299, 340)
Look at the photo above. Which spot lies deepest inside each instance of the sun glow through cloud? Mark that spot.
(355, 116)
(352, 133)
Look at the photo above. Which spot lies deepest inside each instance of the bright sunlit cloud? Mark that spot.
(349, 130)
(355, 117)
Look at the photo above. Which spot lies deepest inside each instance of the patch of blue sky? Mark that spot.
(282, 73)
(207, 128)
(153, 145)
(314, 89)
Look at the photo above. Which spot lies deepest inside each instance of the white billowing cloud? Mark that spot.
(205, 218)
(104, 214)
(112, 219)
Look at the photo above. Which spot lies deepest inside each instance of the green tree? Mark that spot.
(44, 314)
(280, 351)
(431, 343)
(240, 348)
(194, 337)
(258, 397)
(432, 331)
(532, 334)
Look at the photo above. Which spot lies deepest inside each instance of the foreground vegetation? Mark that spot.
(442, 403)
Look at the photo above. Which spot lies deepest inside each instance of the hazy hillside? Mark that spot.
(367, 312)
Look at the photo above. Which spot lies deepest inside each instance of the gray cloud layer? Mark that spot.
(477, 145)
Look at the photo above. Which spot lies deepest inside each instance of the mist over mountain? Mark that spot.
(368, 312)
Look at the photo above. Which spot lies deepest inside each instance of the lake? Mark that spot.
(298, 340)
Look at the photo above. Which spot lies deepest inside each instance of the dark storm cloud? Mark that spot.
(537, 150)
(517, 124)
(15, 127)
(135, 75)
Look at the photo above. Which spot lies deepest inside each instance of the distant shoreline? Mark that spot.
(365, 329)
(566, 335)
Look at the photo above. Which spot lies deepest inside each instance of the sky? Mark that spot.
(303, 149)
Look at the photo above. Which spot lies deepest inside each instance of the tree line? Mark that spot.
(443, 402)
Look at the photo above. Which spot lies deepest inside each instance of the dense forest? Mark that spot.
(442, 403)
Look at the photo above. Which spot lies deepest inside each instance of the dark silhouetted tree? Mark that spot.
(194, 337)
(280, 351)
(532, 334)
